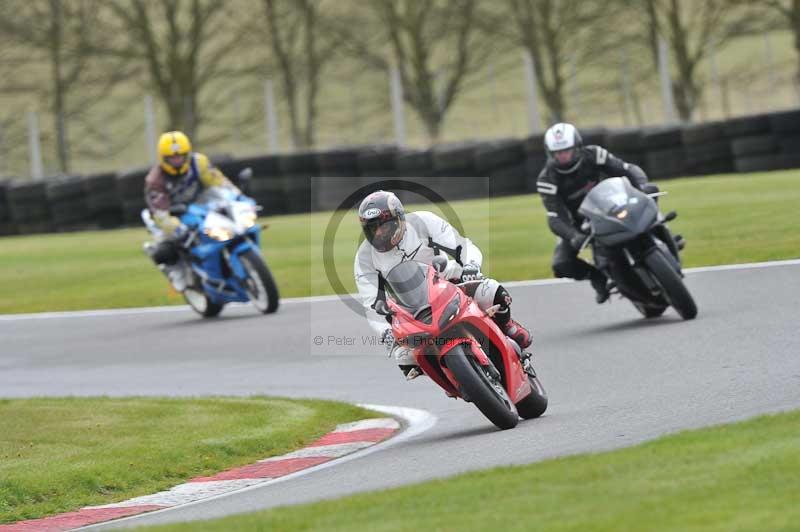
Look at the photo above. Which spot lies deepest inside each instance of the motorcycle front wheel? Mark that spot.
(259, 285)
(649, 311)
(485, 392)
(671, 284)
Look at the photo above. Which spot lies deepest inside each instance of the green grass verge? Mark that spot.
(732, 477)
(59, 454)
(726, 219)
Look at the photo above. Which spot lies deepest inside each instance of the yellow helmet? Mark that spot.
(174, 150)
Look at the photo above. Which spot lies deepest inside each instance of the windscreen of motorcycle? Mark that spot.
(215, 220)
(244, 215)
(407, 283)
(617, 211)
(609, 195)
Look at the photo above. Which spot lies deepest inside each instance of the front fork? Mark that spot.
(662, 232)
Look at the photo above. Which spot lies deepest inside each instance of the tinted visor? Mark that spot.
(380, 233)
(176, 161)
(565, 158)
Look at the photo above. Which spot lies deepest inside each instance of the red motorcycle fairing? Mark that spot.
(428, 339)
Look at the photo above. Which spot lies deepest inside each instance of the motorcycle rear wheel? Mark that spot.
(671, 284)
(534, 404)
(490, 398)
(201, 304)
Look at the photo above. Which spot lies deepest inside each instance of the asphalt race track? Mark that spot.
(614, 379)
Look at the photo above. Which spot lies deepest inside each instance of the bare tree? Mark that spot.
(301, 49)
(435, 45)
(558, 34)
(184, 45)
(789, 10)
(691, 29)
(56, 34)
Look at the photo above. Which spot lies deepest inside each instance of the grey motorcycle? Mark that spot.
(632, 245)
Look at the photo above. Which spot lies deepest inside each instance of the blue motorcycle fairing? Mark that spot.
(235, 263)
(244, 246)
(222, 280)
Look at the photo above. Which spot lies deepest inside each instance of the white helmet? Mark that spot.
(564, 146)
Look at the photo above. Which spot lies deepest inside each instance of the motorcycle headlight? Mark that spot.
(219, 233)
(450, 311)
(248, 219)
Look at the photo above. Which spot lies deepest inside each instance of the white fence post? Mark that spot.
(355, 114)
(397, 107)
(270, 117)
(2, 153)
(534, 120)
(493, 93)
(714, 74)
(35, 146)
(773, 78)
(666, 81)
(150, 129)
(575, 92)
(625, 82)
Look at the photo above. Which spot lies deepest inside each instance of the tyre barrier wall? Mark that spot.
(310, 181)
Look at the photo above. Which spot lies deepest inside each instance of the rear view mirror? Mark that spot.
(382, 308)
(244, 178)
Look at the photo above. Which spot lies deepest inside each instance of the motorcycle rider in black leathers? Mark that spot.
(571, 171)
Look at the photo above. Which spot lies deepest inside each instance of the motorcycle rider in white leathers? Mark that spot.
(392, 236)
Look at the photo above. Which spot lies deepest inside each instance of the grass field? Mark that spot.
(58, 455)
(725, 219)
(739, 477)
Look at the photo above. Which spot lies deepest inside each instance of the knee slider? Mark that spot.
(564, 269)
(166, 253)
(486, 293)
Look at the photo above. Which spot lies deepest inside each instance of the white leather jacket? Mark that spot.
(425, 231)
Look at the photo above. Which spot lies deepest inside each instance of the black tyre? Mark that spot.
(493, 155)
(624, 140)
(754, 145)
(702, 133)
(260, 285)
(666, 163)
(744, 126)
(130, 183)
(535, 404)
(662, 138)
(414, 163)
(650, 311)
(760, 163)
(483, 391)
(596, 136)
(338, 161)
(672, 285)
(455, 159)
(378, 160)
(785, 122)
(200, 303)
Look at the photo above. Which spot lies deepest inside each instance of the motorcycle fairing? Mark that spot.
(438, 294)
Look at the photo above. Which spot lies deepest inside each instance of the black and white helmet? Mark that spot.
(383, 220)
(564, 146)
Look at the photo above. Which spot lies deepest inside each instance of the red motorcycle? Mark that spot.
(459, 346)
